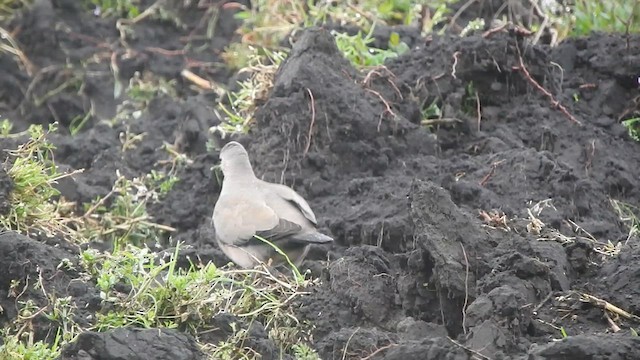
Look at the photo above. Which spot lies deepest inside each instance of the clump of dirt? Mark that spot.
(133, 344)
(477, 232)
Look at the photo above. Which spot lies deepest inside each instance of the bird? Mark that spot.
(248, 208)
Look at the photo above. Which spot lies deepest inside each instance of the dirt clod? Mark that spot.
(134, 344)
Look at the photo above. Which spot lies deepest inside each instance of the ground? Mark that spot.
(477, 236)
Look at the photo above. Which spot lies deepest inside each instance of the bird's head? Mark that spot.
(234, 160)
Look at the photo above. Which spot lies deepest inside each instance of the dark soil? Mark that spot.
(416, 272)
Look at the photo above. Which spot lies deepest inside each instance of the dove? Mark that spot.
(249, 207)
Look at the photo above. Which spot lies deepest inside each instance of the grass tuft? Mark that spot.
(32, 199)
(144, 290)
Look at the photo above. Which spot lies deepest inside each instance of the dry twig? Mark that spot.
(555, 103)
(200, 82)
(455, 63)
(440, 121)
(486, 178)
(478, 109)
(466, 290)
(609, 307)
(312, 105)
(473, 352)
(382, 348)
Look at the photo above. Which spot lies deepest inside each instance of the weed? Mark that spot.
(473, 25)
(125, 220)
(8, 7)
(440, 13)
(633, 128)
(262, 66)
(267, 22)
(61, 313)
(144, 88)
(607, 16)
(121, 8)
(433, 111)
(163, 182)
(9, 45)
(628, 214)
(358, 50)
(5, 127)
(470, 100)
(33, 173)
(140, 90)
(304, 352)
(397, 11)
(237, 55)
(14, 349)
(158, 294)
(233, 347)
(78, 122)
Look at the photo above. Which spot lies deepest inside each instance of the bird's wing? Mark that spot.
(294, 198)
(238, 220)
(281, 231)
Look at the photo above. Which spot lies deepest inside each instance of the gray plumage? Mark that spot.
(248, 206)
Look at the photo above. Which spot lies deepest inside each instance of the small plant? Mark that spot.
(14, 349)
(158, 294)
(5, 127)
(473, 25)
(125, 220)
(607, 16)
(146, 87)
(62, 310)
(78, 122)
(122, 8)
(397, 11)
(633, 128)
(263, 65)
(8, 7)
(33, 173)
(267, 22)
(304, 352)
(628, 214)
(161, 181)
(357, 49)
(433, 111)
(470, 99)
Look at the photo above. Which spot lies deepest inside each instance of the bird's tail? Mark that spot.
(313, 237)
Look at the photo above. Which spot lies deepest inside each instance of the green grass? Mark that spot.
(162, 295)
(15, 349)
(633, 128)
(121, 217)
(33, 173)
(8, 7)
(628, 214)
(238, 112)
(606, 16)
(120, 8)
(5, 127)
(358, 50)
